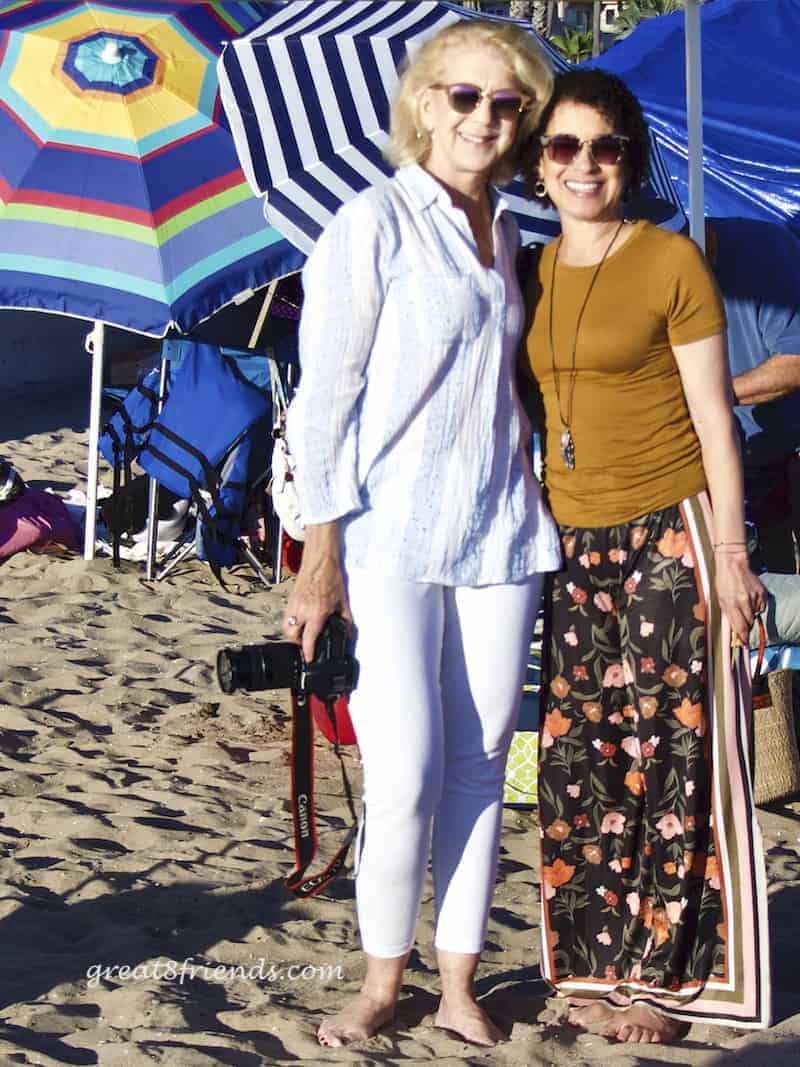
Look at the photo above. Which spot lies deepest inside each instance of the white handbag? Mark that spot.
(285, 500)
(282, 486)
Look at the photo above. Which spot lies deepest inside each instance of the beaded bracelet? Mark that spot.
(729, 544)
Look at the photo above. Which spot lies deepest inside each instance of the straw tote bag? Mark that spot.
(775, 753)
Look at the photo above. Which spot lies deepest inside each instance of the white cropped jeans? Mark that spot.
(441, 674)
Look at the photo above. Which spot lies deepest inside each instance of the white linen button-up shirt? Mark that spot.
(406, 426)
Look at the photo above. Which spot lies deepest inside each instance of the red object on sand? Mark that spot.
(344, 724)
(291, 554)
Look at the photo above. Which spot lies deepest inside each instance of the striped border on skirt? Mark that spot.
(740, 996)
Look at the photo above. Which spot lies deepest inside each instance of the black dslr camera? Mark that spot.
(332, 672)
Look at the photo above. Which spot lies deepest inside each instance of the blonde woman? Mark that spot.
(424, 526)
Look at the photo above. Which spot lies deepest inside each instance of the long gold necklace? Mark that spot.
(567, 440)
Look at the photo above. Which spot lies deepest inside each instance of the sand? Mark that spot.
(144, 824)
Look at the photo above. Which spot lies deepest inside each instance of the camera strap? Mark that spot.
(305, 828)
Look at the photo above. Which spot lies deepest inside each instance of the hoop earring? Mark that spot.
(539, 189)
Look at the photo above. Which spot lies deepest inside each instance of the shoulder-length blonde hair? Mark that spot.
(409, 143)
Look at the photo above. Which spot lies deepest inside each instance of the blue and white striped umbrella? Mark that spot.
(308, 95)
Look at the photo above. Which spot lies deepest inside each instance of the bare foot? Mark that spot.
(362, 1017)
(465, 1018)
(645, 1025)
(637, 1024)
(593, 1015)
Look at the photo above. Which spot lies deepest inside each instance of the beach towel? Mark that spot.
(35, 518)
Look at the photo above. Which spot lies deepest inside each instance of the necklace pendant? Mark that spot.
(568, 448)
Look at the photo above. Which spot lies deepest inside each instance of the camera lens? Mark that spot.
(243, 668)
(274, 665)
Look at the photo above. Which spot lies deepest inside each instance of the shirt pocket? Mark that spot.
(441, 306)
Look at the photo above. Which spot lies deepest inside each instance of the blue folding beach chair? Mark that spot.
(211, 441)
(124, 435)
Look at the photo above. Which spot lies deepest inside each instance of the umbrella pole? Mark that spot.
(694, 122)
(94, 346)
(269, 296)
(152, 487)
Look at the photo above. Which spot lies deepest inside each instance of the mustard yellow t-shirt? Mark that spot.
(636, 449)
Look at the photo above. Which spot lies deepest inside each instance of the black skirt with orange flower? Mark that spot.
(652, 872)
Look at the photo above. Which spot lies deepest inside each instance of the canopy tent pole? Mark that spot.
(694, 122)
(95, 340)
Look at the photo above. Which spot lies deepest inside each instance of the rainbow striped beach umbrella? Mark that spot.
(121, 196)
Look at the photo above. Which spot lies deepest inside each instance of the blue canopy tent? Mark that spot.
(751, 103)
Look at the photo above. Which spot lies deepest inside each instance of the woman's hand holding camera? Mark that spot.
(319, 589)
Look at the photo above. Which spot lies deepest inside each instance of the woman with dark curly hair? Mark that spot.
(652, 877)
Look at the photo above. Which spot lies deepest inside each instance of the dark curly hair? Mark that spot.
(609, 95)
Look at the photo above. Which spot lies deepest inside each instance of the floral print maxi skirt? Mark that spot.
(653, 884)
